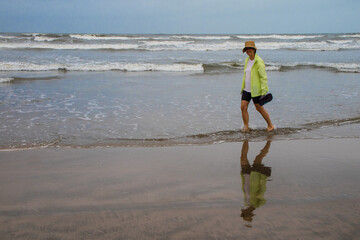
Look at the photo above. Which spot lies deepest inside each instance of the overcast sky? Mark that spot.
(180, 16)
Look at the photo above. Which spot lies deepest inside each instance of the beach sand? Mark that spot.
(180, 192)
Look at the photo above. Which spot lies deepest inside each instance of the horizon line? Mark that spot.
(108, 33)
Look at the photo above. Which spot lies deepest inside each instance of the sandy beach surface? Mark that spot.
(181, 192)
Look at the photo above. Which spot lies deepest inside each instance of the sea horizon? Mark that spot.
(180, 33)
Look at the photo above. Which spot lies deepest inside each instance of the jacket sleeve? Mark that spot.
(243, 79)
(263, 78)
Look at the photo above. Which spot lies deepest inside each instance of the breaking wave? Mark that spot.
(6, 80)
(203, 37)
(25, 79)
(222, 67)
(278, 36)
(350, 36)
(176, 43)
(105, 37)
(106, 66)
(235, 66)
(69, 46)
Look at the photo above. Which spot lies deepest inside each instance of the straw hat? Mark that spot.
(249, 44)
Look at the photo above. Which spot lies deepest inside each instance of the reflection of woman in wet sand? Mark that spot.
(253, 180)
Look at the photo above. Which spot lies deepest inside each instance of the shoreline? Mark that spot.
(180, 192)
(155, 143)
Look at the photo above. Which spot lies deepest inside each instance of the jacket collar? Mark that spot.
(255, 58)
(248, 58)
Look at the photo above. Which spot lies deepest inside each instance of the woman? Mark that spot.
(254, 85)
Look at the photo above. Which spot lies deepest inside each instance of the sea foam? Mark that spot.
(95, 66)
(103, 37)
(6, 80)
(282, 37)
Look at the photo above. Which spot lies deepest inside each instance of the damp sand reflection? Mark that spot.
(187, 192)
(254, 178)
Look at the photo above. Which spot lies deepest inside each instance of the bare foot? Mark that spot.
(270, 128)
(245, 130)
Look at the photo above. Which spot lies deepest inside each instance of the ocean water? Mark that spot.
(88, 90)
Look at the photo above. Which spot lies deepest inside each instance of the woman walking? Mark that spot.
(254, 85)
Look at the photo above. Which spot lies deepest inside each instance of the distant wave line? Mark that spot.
(96, 37)
(221, 67)
(49, 43)
(279, 36)
(112, 66)
(340, 67)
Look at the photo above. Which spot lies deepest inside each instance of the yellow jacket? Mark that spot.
(259, 84)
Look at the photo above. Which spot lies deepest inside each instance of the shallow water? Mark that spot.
(114, 108)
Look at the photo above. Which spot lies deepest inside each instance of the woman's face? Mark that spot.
(250, 52)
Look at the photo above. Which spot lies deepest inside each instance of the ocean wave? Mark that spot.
(8, 37)
(341, 41)
(229, 45)
(105, 37)
(273, 66)
(119, 37)
(334, 45)
(351, 36)
(233, 66)
(203, 37)
(338, 67)
(221, 67)
(191, 46)
(308, 46)
(6, 80)
(341, 67)
(69, 46)
(235, 45)
(25, 79)
(44, 39)
(178, 44)
(45, 42)
(106, 66)
(277, 36)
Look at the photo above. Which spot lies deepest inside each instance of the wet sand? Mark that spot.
(182, 192)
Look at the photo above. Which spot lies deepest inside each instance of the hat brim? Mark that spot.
(246, 48)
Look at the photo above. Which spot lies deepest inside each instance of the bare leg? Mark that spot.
(262, 154)
(266, 116)
(244, 151)
(245, 115)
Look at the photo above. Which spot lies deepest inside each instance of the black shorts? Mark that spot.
(246, 96)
